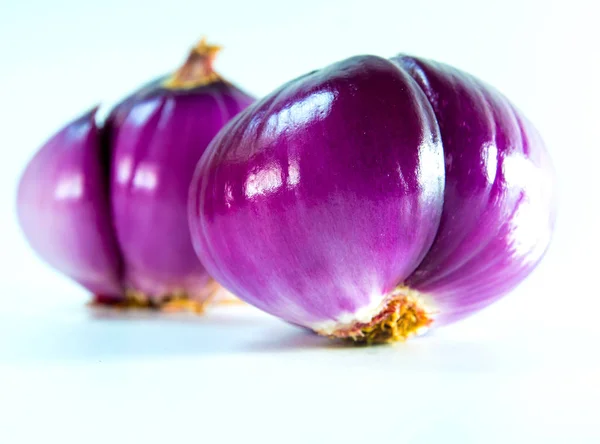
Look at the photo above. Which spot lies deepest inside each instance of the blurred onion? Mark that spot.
(108, 206)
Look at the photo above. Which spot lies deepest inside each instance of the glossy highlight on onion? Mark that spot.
(107, 205)
(374, 199)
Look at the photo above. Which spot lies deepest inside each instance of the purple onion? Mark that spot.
(499, 202)
(374, 198)
(108, 206)
(63, 208)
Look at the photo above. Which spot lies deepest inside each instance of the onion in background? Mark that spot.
(107, 206)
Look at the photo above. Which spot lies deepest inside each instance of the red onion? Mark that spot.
(108, 206)
(374, 198)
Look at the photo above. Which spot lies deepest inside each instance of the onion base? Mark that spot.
(402, 316)
(179, 301)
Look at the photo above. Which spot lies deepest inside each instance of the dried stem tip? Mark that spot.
(197, 70)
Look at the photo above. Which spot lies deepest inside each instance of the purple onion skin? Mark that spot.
(157, 138)
(108, 207)
(499, 199)
(63, 208)
(368, 178)
(324, 195)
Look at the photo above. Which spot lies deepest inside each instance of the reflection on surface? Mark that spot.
(269, 178)
(264, 181)
(489, 157)
(78, 132)
(70, 187)
(520, 172)
(124, 170)
(531, 225)
(431, 170)
(142, 111)
(145, 177)
(314, 106)
(293, 173)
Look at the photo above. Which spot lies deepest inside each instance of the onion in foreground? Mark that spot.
(107, 206)
(374, 198)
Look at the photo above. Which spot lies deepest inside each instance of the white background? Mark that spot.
(525, 370)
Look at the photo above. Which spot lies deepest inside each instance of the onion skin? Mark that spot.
(499, 201)
(63, 208)
(310, 211)
(373, 184)
(124, 234)
(156, 143)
